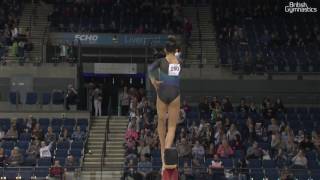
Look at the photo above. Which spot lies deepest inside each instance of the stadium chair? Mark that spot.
(14, 98)
(228, 163)
(60, 153)
(25, 137)
(290, 110)
(57, 98)
(254, 163)
(44, 162)
(5, 124)
(314, 110)
(77, 153)
(156, 165)
(26, 173)
(46, 99)
(256, 174)
(56, 122)
(69, 122)
(313, 164)
(82, 122)
(63, 145)
(41, 172)
(8, 145)
(31, 98)
(272, 173)
(23, 145)
(11, 172)
(301, 174)
(302, 110)
(155, 153)
(44, 123)
(56, 129)
(268, 164)
(77, 145)
(238, 154)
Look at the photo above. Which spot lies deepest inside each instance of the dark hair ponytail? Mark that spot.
(171, 44)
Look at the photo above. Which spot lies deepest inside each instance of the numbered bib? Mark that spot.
(174, 69)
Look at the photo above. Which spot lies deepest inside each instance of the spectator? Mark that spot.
(144, 166)
(299, 137)
(224, 149)
(143, 148)
(254, 151)
(2, 158)
(33, 152)
(15, 159)
(187, 31)
(278, 106)
(124, 101)
(204, 108)
(306, 144)
(187, 173)
(69, 167)
(300, 161)
(97, 100)
(273, 127)
(216, 168)
(71, 96)
(37, 132)
(12, 133)
(232, 133)
(184, 148)
(56, 172)
(2, 134)
(78, 135)
(226, 105)
(64, 136)
(45, 150)
(186, 107)
(50, 136)
(198, 151)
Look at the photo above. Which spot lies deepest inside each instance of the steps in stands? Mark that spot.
(208, 36)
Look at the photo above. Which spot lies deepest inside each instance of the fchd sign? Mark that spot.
(86, 37)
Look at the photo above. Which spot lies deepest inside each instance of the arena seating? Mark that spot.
(61, 148)
(257, 37)
(117, 16)
(294, 119)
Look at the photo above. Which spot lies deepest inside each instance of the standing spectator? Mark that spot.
(124, 101)
(204, 108)
(71, 96)
(45, 150)
(50, 136)
(97, 101)
(187, 31)
(56, 171)
(37, 132)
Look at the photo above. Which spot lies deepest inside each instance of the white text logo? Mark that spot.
(299, 7)
(86, 37)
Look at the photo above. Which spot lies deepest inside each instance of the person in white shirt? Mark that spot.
(124, 101)
(97, 100)
(178, 54)
(45, 150)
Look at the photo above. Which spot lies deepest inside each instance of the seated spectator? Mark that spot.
(226, 105)
(278, 106)
(315, 139)
(216, 168)
(198, 150)
(273, 127)
(45, 150)
(15, 159)
(232, 133)
(306, 144)
(242, 108)
(254, 151)
(143, 148)
(2, 134)
(70, 165)
(300, 160)
(299, 137)
(12, 133)
(33, 151)
(65, 136)
(187, 172)
(204, 108)
(131, 169)
(210, 151)
(50, 136)
(276, 142)
(184, 148)
(3, 160)
(78, 135)
(144, 166)
(237, 143)
(56, 172)
(224, 149)
(37, 132)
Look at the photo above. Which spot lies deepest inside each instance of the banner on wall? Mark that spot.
(115, 68)
(98, 39)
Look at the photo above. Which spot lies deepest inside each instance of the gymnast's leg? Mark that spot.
(174, 113)
(162, 110)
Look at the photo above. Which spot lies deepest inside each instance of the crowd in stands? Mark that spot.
(13, 40)
(113, 16)
(219, 139)
(42, 143)
(259, 36)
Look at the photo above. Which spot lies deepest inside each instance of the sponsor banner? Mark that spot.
(115, 68)
(98, 39)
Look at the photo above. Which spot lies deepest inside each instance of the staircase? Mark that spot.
(193, 52)
(114, 159)
(36, 16)
(208, 35)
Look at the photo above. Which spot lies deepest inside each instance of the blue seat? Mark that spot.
(254, 163)
(23, 145)
(41, 172)
(314, 110)
(60, 153)
(8, 145)
(26, 173)
(44, 122)
(11, 173)
(56, 122)
(44, 162)
(302, 110)
(256, 174)
(77, 153)
(313, 164)
(14, 98)
(272, 173)
(57, 98)
(31, 98)
(238, 154)
(61, 160)
(69, 122)
(25, 137)
(5, 124)
(156, 165)
(268, 164)
(46, 99)
(301, 174)
(77, 145)
(63, 145)
(155, 153)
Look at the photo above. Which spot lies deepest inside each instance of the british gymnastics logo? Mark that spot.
(299, 7)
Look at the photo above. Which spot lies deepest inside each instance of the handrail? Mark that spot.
(199, 34)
